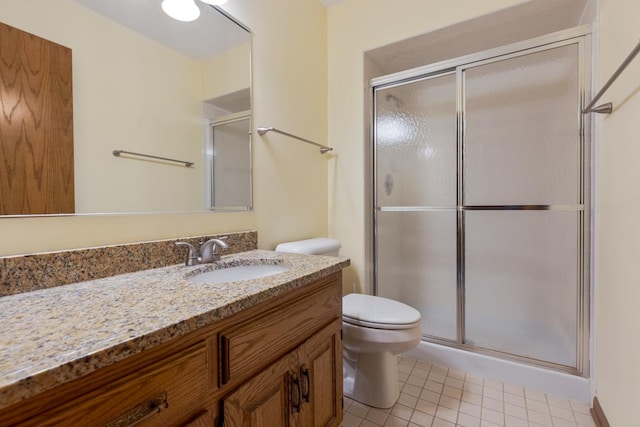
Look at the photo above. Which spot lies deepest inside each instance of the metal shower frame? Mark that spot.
(579, 36)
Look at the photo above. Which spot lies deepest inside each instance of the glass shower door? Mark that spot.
(481, 182)
(415, 199)
(523, 205)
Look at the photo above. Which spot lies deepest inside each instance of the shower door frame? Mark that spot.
(579, 36)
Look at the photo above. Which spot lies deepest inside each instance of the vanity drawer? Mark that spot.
(170, 392)
(275, 332)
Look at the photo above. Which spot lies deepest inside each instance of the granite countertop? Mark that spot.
(52, 336)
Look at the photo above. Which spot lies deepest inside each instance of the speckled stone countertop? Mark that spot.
(52, 336)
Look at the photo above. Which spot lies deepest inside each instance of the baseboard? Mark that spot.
(598, 414)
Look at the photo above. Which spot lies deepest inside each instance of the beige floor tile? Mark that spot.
(535, 395)
(493, 416)
(446, 414)
(474, 398)
(426, 406)
(454, 392)
(432, 395)
(358, 409)
(351, 420)
(495, 385)
(512, 399)
(473, 388)
(421, 419)
(396, 422)
(561, 422)
(474, 379)
(419, 373)
(496, 405)
(401, 411)
(412, 390)
(584, 419)
(513, 389)
(435, 377)
(449, 402)
(466, 420)
(442, 423)
(470, 409)
(515, 410)
(408, 400)
(377, 416)
(564, 413)
(493, 393)
(434, 386)
(511, 421)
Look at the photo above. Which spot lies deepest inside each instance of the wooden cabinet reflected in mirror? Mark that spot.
(142, 82)
(36, 125)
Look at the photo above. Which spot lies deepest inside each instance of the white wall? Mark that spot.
(290, 193)
(617, 210)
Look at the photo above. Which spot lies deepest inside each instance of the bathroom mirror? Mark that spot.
(148, 84)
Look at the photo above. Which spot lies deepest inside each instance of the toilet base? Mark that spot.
(371, 378)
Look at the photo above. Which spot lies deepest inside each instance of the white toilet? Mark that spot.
(375, 329)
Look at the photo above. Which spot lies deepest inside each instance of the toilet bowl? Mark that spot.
(375, 330)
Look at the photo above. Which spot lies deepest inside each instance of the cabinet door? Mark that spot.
(321, 377)
(270, 399)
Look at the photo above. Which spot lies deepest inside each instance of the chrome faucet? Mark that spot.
(208, 251)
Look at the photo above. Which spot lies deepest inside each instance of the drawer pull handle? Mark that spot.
(296, 396)
(141, 412)
(306, 383)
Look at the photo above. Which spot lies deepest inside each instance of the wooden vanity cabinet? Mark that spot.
(303, 388)
(278, 363)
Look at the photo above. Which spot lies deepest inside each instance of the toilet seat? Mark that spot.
(377, 312)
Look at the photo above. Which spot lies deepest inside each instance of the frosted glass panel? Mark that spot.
(231, 186)
(522, 130)
(416, 264)
(521, 283)
(416, 143)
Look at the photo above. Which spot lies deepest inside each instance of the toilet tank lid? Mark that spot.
(375, 309)
(317, 245)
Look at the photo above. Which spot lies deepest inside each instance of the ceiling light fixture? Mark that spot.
(182, 10)
(214, 2)
(186, 10)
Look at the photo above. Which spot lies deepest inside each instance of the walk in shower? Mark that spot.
(481, 199)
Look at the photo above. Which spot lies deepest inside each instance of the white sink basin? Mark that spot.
(237, 273)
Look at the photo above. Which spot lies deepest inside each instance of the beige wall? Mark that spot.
(227, 72)
(290, 196)
(617, 210)
(356, 26)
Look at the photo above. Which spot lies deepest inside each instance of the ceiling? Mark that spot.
(208, 36)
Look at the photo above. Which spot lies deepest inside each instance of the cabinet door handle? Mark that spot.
(141, 412)
(296, 395)
(306, 383)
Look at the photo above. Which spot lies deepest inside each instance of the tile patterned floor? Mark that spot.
(432, 395)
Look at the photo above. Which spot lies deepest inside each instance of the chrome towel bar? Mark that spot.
(608, 107)
(118, 152)
(323, 148)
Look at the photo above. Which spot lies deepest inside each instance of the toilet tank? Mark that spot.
(315, 246)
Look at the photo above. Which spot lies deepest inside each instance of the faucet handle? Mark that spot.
(209, 249)
(192, 254)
